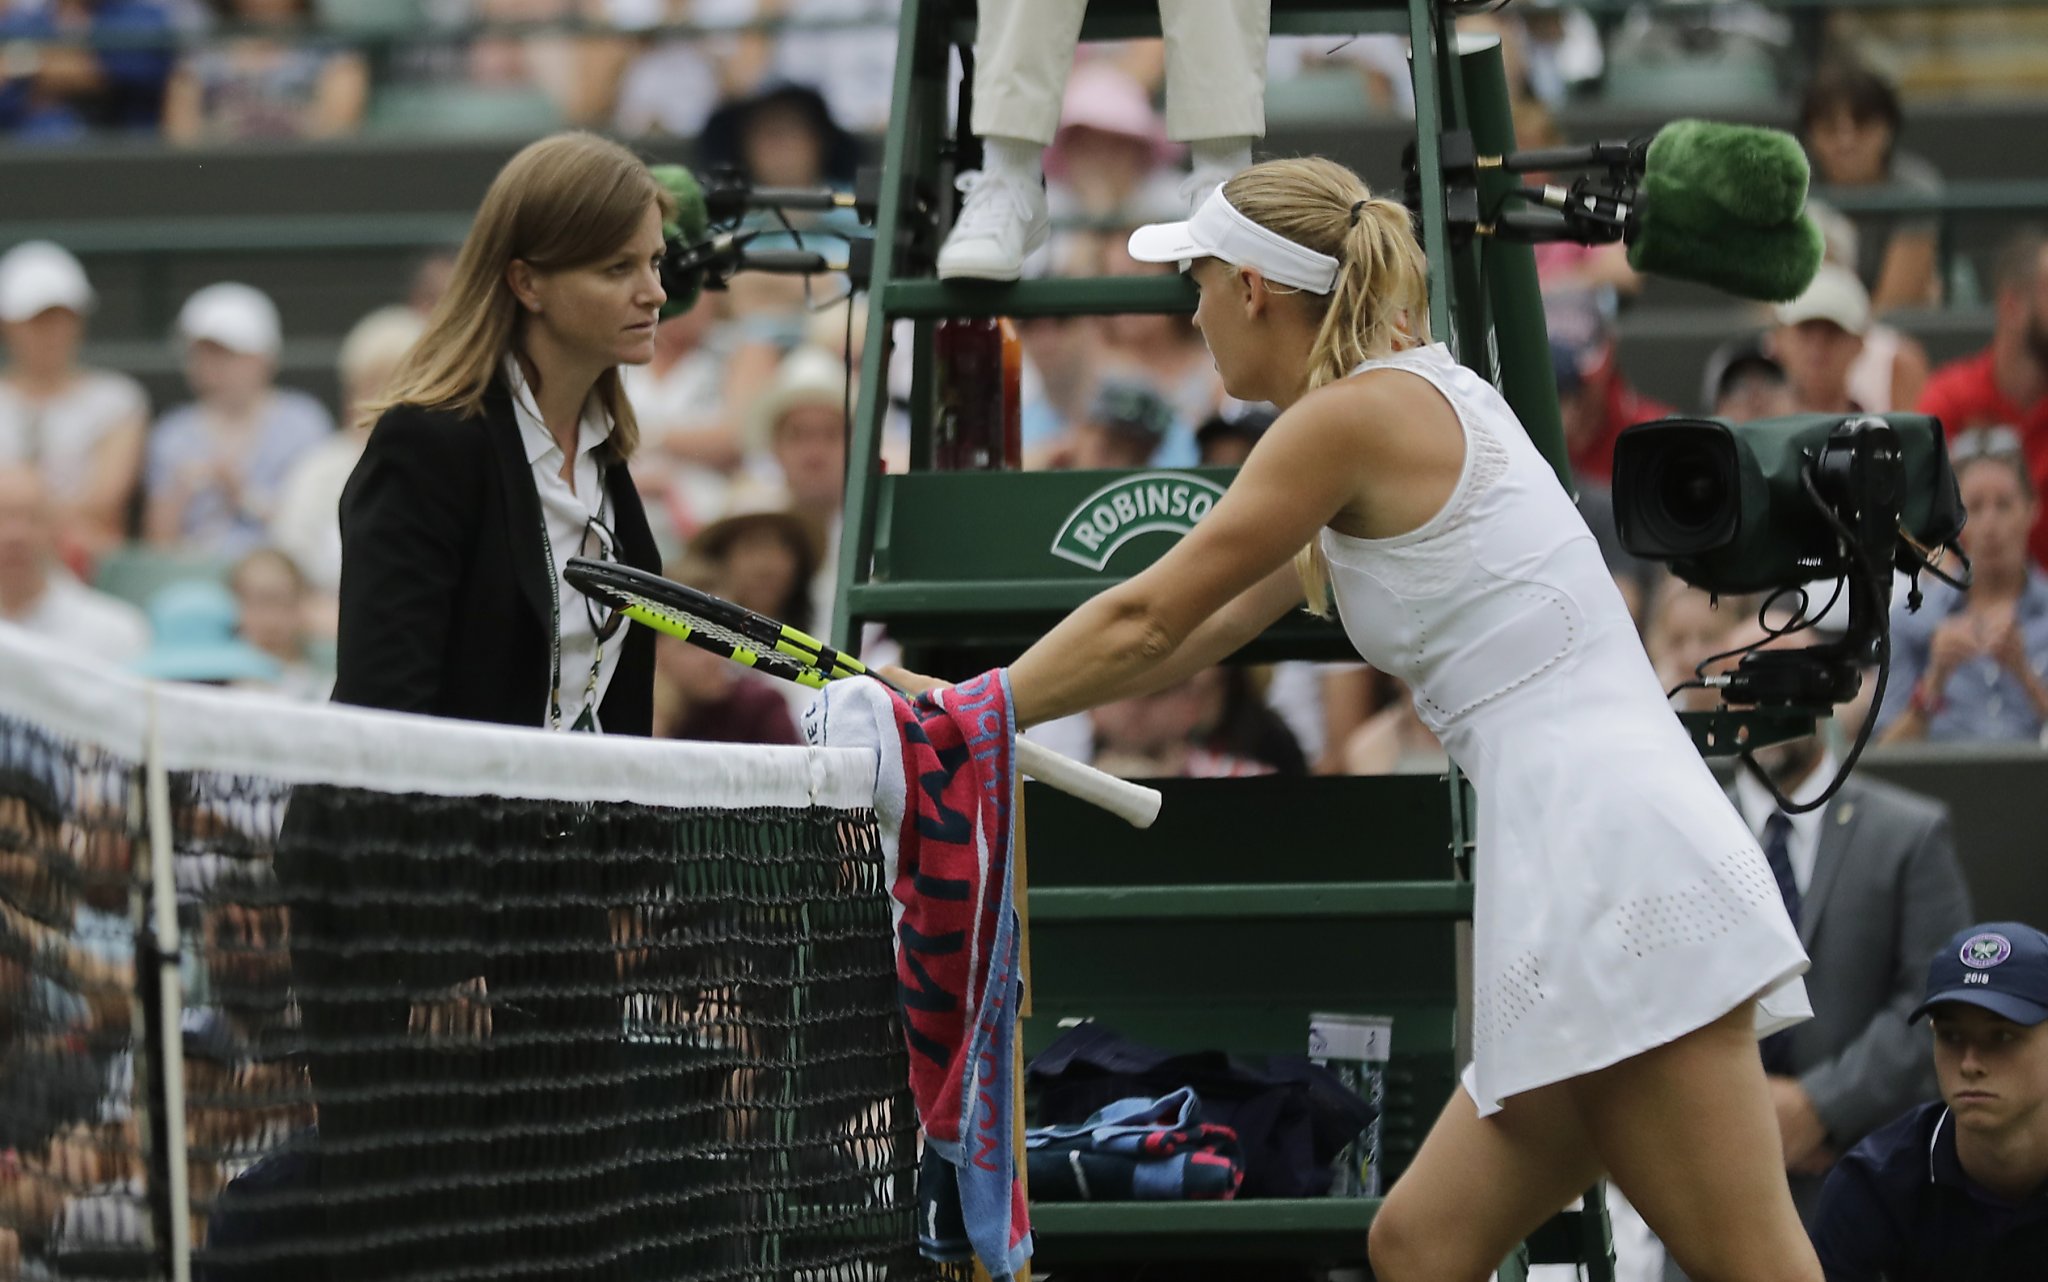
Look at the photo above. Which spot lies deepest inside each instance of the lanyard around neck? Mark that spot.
(587, 719)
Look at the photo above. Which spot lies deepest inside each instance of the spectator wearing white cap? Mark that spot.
(1819, 336)
(1839, 358)
(82, 428)
(216, 465)
(801, 421)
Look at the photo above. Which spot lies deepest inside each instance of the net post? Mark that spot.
(162, 993)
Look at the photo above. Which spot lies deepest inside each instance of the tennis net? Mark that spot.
(304, 992)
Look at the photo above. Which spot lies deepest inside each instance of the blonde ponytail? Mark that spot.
(1380, 304)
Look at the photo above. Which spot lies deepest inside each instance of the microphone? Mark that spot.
(692, 220)
(1725, 206)
(1719, 205)
(1627, 156)
(728, 196)
(1755, 175)
(696, 260)
(1676, 232)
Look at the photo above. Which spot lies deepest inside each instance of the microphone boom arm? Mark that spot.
(718, 258)
(1623, 158)
(728, 197)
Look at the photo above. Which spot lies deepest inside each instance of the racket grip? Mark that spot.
(1133, 803)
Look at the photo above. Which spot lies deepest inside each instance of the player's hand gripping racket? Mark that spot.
(765, 645)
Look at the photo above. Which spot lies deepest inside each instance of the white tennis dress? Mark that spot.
(1621, 901)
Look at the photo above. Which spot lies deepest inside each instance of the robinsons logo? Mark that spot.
(1141, 504)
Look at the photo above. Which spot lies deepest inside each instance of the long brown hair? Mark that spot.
(564, 202)
(1380, 304)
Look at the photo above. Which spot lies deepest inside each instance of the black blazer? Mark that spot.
(445, 581)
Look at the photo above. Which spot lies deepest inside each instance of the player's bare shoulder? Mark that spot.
(1387, 416)
(1397, 437)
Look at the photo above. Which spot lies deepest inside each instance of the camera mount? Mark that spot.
(1773, 505)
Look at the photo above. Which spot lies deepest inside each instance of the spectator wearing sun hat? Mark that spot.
(766, 557)
(194, 627)
(82, 428)
(216, 465)
(796, 439)
(784, 135)
(1110, 158)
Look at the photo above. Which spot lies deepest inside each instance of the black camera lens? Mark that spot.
(1675, 488)
(1692, 488)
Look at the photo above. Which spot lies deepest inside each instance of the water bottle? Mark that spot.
(979, 373)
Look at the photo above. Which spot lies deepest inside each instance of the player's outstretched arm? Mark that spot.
(1120, 642)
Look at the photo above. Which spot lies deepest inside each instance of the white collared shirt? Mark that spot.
(567, 513)
(1757, 805)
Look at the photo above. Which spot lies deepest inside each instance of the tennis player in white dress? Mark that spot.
(1630, 943)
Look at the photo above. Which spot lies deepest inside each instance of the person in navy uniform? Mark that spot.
(1958, 1188)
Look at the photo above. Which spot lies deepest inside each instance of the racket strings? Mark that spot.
(697, 624)
(712, 635)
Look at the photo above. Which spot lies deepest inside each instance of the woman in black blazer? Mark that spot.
(451, 1000)
(448, 596)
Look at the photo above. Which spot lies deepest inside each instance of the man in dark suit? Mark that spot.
(1874, 888)
(1872, 881)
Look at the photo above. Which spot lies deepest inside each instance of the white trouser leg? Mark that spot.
(1023, 50)
(1215, 67)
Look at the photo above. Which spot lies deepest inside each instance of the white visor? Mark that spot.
(1218, 230)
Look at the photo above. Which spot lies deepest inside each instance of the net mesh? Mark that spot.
(455, 1002)
(71, 1196)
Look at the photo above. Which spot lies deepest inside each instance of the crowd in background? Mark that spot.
(227, 495)
(230, 70)
(746, 404)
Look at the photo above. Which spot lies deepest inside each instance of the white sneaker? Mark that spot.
(1001, 224)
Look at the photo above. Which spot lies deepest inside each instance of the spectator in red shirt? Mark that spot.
(2006, 384)
(1605, 403)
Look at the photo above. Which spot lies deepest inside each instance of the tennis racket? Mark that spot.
(761, 643)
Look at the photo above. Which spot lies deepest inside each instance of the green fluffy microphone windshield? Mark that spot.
(691, 223)
(1724, 205)
(1758, 176)
(1682, 237)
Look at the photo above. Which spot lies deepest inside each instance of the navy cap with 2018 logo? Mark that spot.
(2001, 966)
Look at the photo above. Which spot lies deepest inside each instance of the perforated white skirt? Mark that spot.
(1621, 902)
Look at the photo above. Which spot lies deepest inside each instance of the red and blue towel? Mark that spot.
(943, 802)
